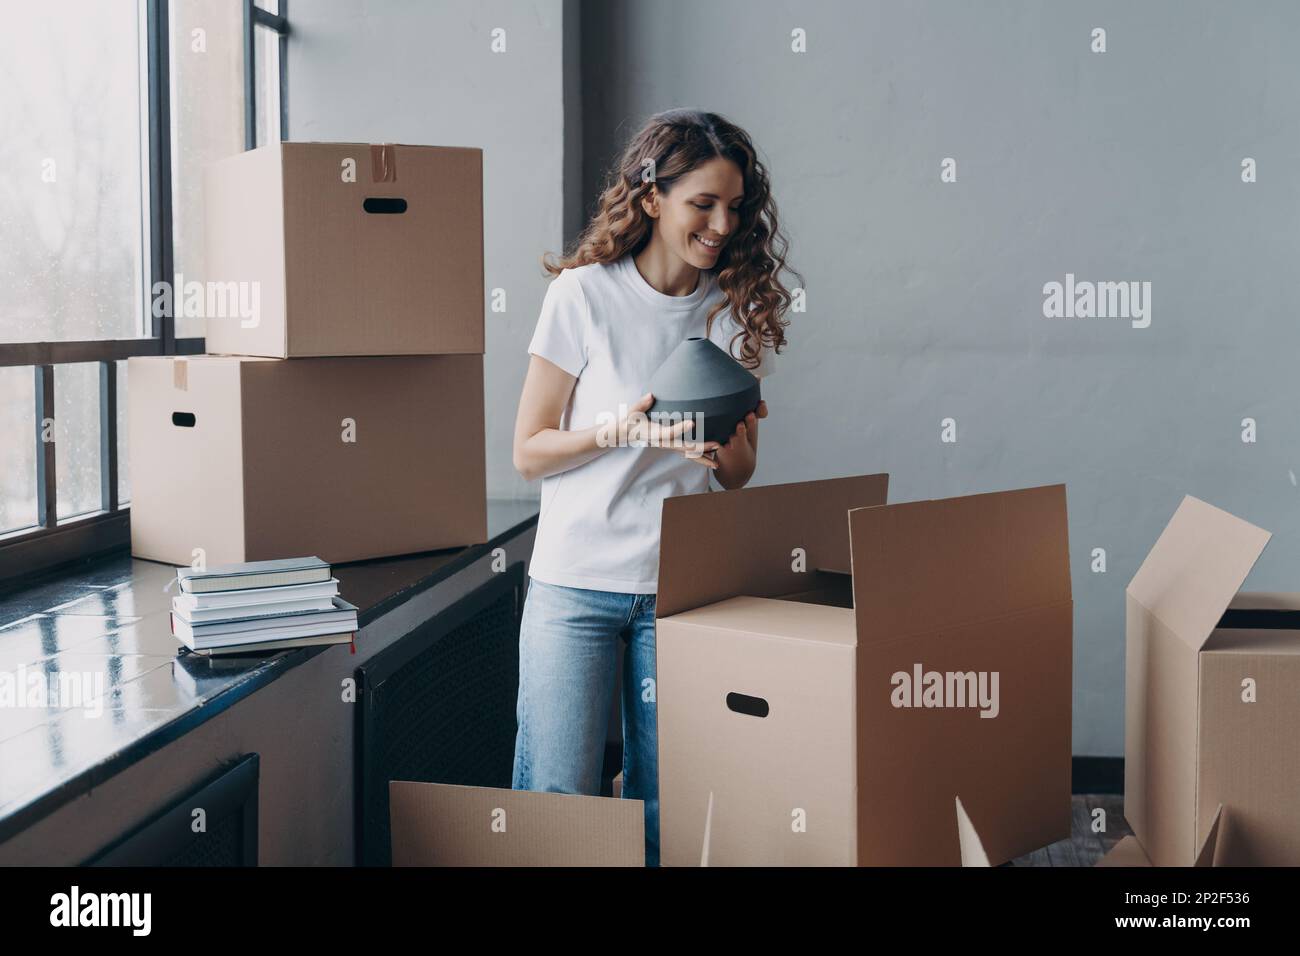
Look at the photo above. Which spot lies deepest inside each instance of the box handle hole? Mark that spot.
(384, 204)
(183, 419)
(744, 704)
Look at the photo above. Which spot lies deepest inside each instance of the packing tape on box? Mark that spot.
(181, 374)
(383, 163)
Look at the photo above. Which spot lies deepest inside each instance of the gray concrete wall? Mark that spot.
(925, 299)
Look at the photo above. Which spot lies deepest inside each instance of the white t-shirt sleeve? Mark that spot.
(561, 336)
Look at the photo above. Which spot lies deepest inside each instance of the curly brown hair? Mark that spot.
(748, 271)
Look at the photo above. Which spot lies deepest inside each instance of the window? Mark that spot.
(72, 265)
(207, 97)
(111, 111)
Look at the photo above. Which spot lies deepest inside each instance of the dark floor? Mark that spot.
(1084, 848)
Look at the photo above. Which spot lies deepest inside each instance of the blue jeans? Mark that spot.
(568, 655)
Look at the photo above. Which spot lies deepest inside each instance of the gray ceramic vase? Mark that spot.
(698, 377)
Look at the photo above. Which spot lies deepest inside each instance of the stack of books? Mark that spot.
(261, 606)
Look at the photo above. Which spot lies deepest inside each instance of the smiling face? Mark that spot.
(698, 215)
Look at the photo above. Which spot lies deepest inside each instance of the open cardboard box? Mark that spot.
(1210, 852)
(434, 824)
(1212, 697)
(792, 620)
(1127, 852)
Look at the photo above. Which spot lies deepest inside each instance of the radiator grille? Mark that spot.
(229, 802)
(439, 705)
(221, 845)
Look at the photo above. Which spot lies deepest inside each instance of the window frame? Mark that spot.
(50, 544)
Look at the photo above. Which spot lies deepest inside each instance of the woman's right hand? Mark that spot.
(640, 428)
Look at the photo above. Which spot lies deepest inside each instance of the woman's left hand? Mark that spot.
(739, 456)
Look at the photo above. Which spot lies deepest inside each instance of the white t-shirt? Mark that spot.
(604, 324)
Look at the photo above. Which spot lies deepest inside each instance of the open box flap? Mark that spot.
(1195, 568)
(972, 847)
(718, 545)
(1263, 610)
(924, 565)
(435, 824)
(1210, 845)
(1129, 850)
(708, 833)
(1287, 601)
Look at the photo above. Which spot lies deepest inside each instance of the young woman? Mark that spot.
(684, 243)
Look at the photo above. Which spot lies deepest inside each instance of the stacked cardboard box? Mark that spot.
(344, 418)
(1212, 698)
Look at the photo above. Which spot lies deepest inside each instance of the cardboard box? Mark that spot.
(1129, 852)
(436, 824)
(616, 785)
(247, 458)
(781, 700)
(1212, 698)
(355, 249)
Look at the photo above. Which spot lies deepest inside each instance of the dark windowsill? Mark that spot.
(110, 618)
